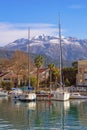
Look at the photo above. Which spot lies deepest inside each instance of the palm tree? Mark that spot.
(51, 67)
(56, 75)
(38, 64)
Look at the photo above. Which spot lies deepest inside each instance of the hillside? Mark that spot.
(7, 54)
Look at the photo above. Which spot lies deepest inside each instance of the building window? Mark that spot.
(6, 79)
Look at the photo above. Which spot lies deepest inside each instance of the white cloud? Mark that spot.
(76, 6)
(10, 32)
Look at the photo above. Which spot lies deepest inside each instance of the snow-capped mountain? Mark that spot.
(73, 48)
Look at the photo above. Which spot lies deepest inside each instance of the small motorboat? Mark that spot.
(76, 95)
(3, 93)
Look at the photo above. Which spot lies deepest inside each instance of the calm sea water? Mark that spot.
(43, 115)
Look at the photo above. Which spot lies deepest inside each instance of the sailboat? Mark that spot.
(29, 95)
(61, 94)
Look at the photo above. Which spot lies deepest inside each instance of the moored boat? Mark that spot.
(28, 97)
(3, 93)
(76, 95)
(61, 95)
(16, 92)
(43, 96)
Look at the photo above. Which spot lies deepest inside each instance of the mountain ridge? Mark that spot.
(73, 48)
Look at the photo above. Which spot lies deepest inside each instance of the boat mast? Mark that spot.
(61, 65)
(28, 57)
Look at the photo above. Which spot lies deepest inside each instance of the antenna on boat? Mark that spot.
(28, 57)
(61, 65)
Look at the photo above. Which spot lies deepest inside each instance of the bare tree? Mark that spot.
(20, 65)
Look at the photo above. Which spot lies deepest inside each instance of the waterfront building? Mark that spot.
(81, 77)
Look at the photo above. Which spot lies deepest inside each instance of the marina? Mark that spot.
(43, 65)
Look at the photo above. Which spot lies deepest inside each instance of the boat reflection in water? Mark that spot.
(31, 105)
(28, 105)
(3, 99)
(77, 102)
(43, 115)
(46, 113)
(63, 109)
(61, 105)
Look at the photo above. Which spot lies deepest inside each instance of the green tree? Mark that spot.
(75, 64)
(6, 85)
(51, 67)
(33, 81)
(38, 63)
(67, 83)
(70, 74)
(56, 74)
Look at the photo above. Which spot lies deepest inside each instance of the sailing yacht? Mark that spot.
(29, 95)
(61, 94)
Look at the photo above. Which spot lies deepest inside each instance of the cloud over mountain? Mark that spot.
(11, 31)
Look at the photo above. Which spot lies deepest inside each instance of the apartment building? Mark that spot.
(81, 78)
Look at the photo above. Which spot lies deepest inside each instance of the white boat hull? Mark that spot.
(27, 97)
(77, 96)
(3, 94)
(61, 96)
(16, 93)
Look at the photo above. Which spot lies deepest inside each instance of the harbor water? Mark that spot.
(43, 115)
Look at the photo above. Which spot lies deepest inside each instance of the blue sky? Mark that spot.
(42, 18)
